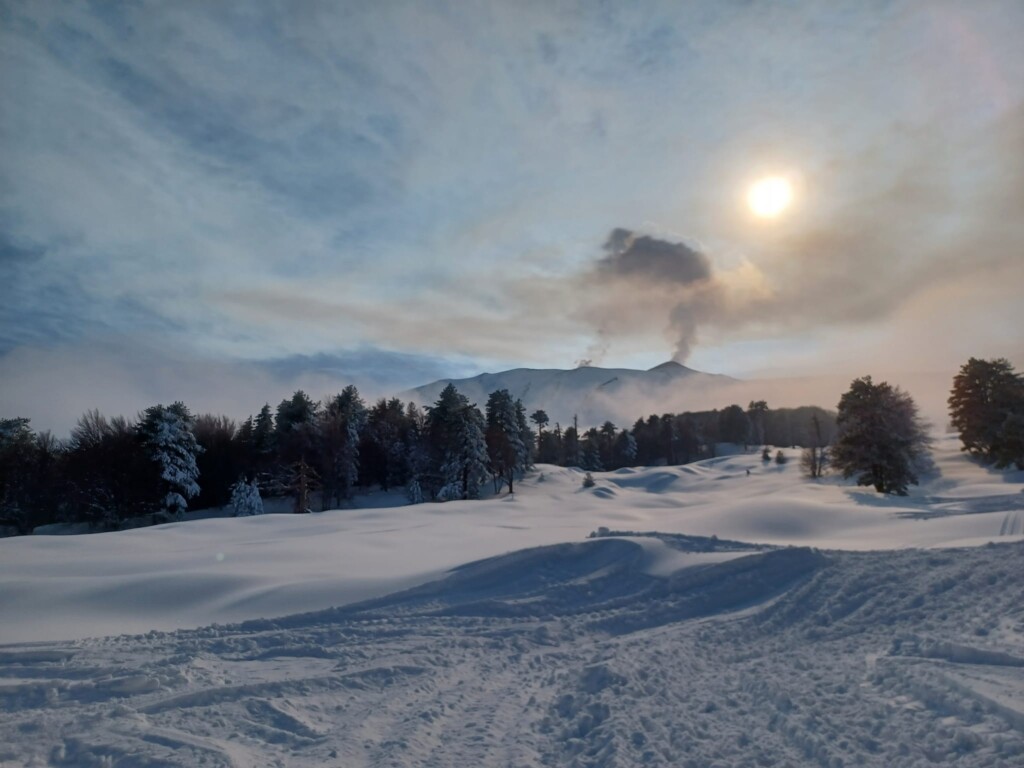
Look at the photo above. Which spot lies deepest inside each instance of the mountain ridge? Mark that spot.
(591, 393)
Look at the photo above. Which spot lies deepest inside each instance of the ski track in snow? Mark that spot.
(832, 643)
(568, 655)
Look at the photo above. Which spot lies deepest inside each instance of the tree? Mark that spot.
(734, 425)
(757, 412)
(302, 482)
(339, 427)
(540, 418)
(607, 444)
(413, 491)
(882, 439)
(384, 448)
(295, 428)
(17, 449)
(687, 438)
(168, 437)
(458, 452)
(813, 457)
(221, 460)
(625, 449)
(465, 467)
(245, 498)
(571, 445)
(592, 451)
(504, 435)
(263, 444)
(109, 471)
(986, 406)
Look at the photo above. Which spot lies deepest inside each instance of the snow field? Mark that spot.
(567, 655)
(494, 633)
(190, 574)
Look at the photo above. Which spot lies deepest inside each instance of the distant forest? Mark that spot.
(120, 472)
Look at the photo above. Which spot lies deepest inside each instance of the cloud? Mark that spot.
(56, 384)
(268, 181)
(647, 258)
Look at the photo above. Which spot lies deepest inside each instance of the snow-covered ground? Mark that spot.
(864, 630)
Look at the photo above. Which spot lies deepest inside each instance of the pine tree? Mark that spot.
(592, 451)
(465, 468)
(734, 425)
(757, 413)
(340, 427)
(540, 418)
(625, 448)
(413, 491)
(458, 450)
(17, 448)
(607, 443)
(507, 453)
(263, 442)
(986, 407)
(881, 440)
(245, 498)
(572, 456)
(167, 435)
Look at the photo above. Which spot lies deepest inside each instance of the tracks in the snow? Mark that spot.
(570, 657)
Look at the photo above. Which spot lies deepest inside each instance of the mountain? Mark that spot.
(593, 394)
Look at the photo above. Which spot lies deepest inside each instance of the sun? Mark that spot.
(770, 196)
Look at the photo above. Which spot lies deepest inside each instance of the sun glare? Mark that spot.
(770, 196)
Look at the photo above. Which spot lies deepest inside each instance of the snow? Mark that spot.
(494, 632)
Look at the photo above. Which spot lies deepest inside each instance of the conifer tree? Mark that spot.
(881, 440)
(504, 435)
(340, 427)
(167, 435)
(987, 408)
(455, 435)
(245, 498)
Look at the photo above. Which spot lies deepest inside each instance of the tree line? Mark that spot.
(111, 471)
(883, 442)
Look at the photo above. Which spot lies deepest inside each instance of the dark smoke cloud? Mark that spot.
(644, 283)
(640, 256)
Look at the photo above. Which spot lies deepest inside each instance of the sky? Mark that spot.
(223, 202)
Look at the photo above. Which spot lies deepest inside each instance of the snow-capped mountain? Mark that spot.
(591, 393)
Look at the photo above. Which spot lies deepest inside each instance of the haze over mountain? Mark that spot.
(623, 395)
(591, 393)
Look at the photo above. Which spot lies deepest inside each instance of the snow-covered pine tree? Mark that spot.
(245, 498)
(592, 451)
(881, 439)
(167, 435)
(465, 467)
(413, 491)
(454, 436)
